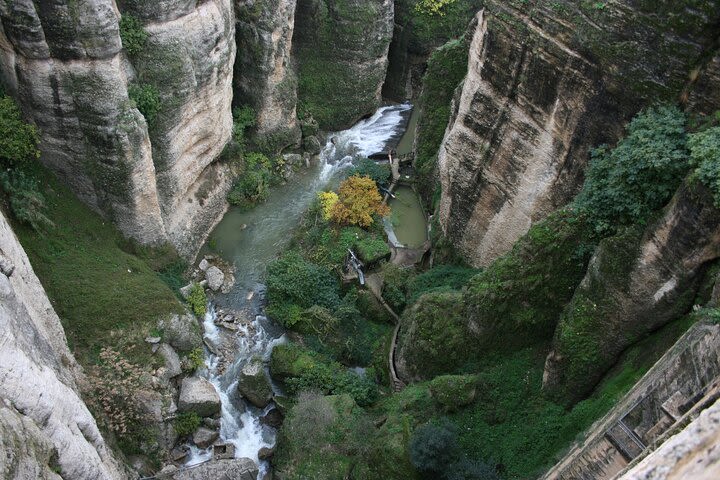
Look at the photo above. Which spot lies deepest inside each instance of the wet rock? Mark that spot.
(204, 437)
(312, 145)
(266, 453)
(254, 383)
(215, 278)
(237, 469)
(211, 423)
(222, 451)
(172, 360)
(181, 331)
(199, 396)
(274, 418)
(179, 454)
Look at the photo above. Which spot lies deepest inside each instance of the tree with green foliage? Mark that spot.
(433, 448)
(253, 184)
(133, 34)
(705, 157)
(432, 7)
(18, 139)
(625, 184)
(366, 167)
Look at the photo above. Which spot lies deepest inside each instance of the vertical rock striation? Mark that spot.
(635, 283)
(45, 428)
(546, 82)
(264, 78)
(341, 47)
(64, 62)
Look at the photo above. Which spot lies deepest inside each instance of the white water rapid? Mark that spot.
(265, 231)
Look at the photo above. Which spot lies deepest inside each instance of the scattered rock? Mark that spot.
(179, 454)
(293, 159)
(172, 360)
(266, 453)
(254, 383)
(222, 451)
(204, 437)
(274, 418)
(237, 469)
(153, 340)
(204, 265)
(167, 470)
(182, 332)
(211, 423)
(149, 404)
(312, 145)
(215, 278)
(199, 396)
(185, 291)
(141, 464)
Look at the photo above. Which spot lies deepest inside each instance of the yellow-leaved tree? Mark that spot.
(327, 202)
(358, 200)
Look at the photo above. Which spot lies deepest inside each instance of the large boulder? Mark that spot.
(204, 437)
(254, 384)
(215, 278)
(199, 396)
(181, 331)
(172, 360)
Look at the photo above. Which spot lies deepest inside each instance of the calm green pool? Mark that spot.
(407, 218)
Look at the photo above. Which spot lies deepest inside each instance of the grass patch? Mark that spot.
(104, 295)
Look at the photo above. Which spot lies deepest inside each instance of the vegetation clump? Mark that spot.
(705, 157)
(147, 99)
(624, 185)
(186, 423)
(380, 173)
(133, 35)
(358, 201)
(197, 299)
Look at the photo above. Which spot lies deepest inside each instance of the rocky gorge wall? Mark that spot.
(546, 82)
(46, 432)
(65, 64)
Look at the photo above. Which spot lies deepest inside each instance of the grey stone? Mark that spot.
(274, 418)
(266, 453)
(181, 331)
(172, 360)
(153, 340)
(199, 396)
(204, 265)
(254, 384)
(312, 145)
(185, 291)
(215, 278)
(204, 437)
(293, 159)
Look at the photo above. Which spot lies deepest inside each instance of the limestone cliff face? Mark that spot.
(45, 428)
(635, 283)
(341, 48)
(65, 64)
(546, 82)
(264, 78)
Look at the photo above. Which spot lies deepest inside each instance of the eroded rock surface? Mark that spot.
(264, 78)
(65, 63)
(45, 426)
(546, 82)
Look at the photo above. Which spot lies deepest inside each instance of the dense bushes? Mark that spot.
(626, 184)
(305, 370)
(705, 157)
(18, 149)
(198, 300)
(147, 100)
(440, 278)
(358, 202)
(253, 184)
(294, 284)
(186, 423)
(133, 35)
(380, 173)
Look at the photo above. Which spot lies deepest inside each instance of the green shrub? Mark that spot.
(395, 284)
(26, 201)
(433, 448)
(372, 249)
(133, 35)
(243, 119)
(293, 281)
(196, 358)
(471, 470)
(439, 278)
(198, 300)
(705, 157)
(366, 167)
(305, 370)
(18, 139)
(253, 184)
(624, 185)
(453, 391)
(186, 423)
(147, 100)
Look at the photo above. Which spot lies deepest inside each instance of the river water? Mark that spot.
(251, 240)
